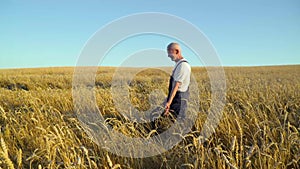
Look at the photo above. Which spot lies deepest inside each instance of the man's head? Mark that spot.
(174, 51)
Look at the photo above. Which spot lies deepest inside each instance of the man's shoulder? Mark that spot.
(183, 67)
(185, 64)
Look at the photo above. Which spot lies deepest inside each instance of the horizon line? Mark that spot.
(106, 66)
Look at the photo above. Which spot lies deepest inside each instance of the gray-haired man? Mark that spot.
(177, 100)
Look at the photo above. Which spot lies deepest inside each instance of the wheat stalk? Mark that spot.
(4, 154)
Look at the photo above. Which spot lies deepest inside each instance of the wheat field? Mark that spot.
(259, 128)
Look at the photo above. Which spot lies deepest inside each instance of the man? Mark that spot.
(177, 100)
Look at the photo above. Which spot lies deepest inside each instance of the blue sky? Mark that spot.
(244, 33)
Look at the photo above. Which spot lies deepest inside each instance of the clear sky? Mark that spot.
(52, 33)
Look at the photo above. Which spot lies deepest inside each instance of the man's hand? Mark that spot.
(167, 108)
(173, 93)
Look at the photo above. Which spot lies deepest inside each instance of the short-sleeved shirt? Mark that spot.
(182, 74)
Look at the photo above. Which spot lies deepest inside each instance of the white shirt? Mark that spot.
(182, 74)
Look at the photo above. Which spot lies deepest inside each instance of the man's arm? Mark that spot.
(173, 93)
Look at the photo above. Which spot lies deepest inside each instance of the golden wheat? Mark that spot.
(259, 127)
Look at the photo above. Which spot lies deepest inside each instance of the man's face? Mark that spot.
(172, 53)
